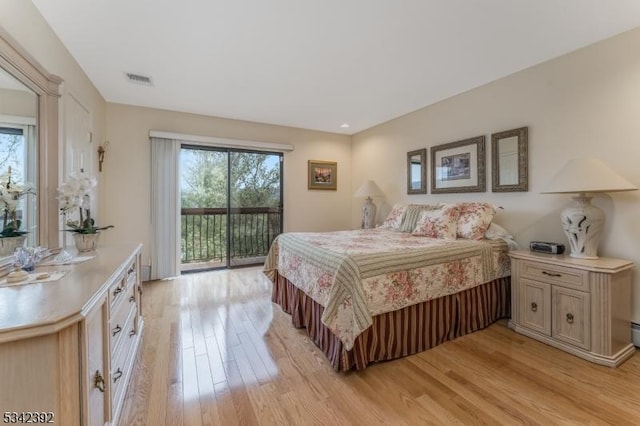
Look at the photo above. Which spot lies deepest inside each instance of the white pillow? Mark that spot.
(497, 232)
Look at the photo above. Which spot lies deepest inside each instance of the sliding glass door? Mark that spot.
(231, 206)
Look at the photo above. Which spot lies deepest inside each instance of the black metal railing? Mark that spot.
(204, 233)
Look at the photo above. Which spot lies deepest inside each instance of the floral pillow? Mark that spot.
(394, 218)
(474, 219)
(441, 223)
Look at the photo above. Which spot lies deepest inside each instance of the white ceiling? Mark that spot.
(318, 64)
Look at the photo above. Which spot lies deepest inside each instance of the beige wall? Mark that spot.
(22, 20)
(124, 184)
(585, 104)
(127, 169)
(17, 103)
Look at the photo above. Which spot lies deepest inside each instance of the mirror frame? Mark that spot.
(423, 171)
(522, 134)
(17, 62)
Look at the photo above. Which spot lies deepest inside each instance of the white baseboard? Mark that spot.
(635, 334)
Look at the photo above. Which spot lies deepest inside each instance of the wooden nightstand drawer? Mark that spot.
(556, 274)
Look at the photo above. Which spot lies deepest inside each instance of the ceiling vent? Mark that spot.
(139, 79)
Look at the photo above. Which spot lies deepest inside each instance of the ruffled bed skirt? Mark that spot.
(399, 333)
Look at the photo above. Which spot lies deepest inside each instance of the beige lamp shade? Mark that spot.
(583, 222)
(587, 175)
(368, 189)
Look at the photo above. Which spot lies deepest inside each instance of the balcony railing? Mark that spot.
(204, 234)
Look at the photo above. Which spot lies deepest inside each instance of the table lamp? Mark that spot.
(368, 189)
(582, 222)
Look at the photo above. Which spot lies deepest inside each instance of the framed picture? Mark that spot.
(458, 166)
(323, 175)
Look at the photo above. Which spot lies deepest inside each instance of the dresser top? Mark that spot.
(34, 309)
(602, 264)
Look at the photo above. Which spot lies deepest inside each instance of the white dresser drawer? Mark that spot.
(122, 357)
(123, 309)
(116, 289)
(556, 274)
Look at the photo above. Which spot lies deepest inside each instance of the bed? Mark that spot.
(378, 294)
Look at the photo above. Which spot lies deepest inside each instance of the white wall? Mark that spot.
(585, 104)
(127, 169)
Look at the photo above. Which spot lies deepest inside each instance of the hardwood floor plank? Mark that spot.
(226, 408)
(216, 351)
(190, 390)
(175, 396)
(266, 402)
(206, 392)
(216, 363)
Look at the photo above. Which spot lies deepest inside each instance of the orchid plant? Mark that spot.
(10, 194)
(75, 195)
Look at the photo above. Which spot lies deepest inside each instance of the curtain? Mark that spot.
(165, 208)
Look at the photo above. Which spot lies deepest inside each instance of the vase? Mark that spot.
(86, 242)
(9, 244)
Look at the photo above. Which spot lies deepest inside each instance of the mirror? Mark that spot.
(18, 147)
(29, 139)
(417, 172)
(509, 168)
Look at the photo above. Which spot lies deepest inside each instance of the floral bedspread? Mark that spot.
(356, 275)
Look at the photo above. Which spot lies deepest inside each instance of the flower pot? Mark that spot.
(86, 242)
(9, 244)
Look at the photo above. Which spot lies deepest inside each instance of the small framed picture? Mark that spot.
(458, 166)
(323, 175)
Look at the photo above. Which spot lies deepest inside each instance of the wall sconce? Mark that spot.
(101, 150)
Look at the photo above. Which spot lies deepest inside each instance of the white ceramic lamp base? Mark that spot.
(368, 214)
(583, 222)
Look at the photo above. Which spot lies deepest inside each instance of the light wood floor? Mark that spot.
(216, 351)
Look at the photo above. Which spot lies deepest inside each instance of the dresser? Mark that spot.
(580, 306)
(68, 346)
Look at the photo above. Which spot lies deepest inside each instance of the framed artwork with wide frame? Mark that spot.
(509, 160)
(322, 175)
(459, 166)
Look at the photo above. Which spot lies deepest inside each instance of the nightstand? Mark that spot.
(580, 306)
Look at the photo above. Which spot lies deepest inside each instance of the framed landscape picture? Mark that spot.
(323, 175)
(458, 166)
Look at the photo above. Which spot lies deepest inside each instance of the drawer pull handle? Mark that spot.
(117, 291)
(534, 306)
(117, 375)
(551, 274)
(132, 298)
(132, 332)
(98, 381)
(570, 318)
(116, 330)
